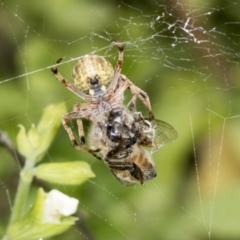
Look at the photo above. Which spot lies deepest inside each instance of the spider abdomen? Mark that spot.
(92, 74)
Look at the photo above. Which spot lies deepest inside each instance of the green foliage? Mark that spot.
(49, 215)
(34, 226)
(69, 173)
(34, 144)
(194, 86)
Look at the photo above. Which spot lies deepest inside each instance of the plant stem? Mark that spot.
(26, 176)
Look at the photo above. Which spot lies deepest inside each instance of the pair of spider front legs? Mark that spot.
(98, 107)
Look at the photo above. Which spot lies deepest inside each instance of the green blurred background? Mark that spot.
(185, 54)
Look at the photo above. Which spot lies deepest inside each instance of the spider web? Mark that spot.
(185, 54)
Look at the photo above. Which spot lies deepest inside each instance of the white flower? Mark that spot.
(58, 205)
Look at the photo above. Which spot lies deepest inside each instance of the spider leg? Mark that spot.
(132, 104)
(120, 55)
(66, 83)
(143, 96)
(77, 114)
(65, 119)
(136, 91)
(118, 67)
(77, 108)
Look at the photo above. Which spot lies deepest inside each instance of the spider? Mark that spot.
(102, 87)
(117, 132)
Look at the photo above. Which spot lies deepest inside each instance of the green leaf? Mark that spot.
(23, 144)
(34, 137)
(48, 126)
(34, 144)
(70, 173)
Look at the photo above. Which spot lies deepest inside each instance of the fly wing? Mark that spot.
(163, 133)
(155, 133)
